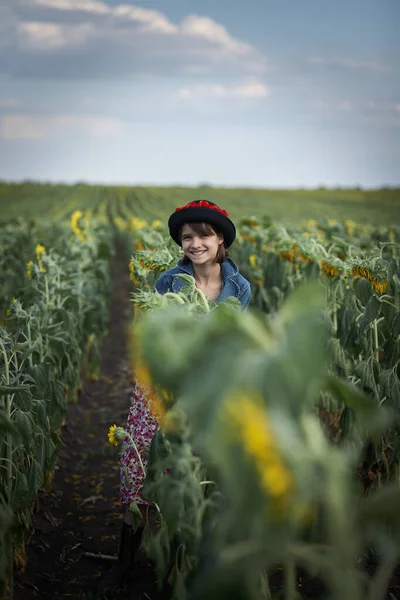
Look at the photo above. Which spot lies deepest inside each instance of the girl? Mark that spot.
(204, 231)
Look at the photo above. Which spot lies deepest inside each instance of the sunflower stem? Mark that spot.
(376, 340)
(290, 578)
(8, 458)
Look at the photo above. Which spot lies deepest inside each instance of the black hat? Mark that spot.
(202, 211)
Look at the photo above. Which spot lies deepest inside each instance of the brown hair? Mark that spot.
(206, 229)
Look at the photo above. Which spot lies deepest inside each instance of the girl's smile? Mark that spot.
(199, 248)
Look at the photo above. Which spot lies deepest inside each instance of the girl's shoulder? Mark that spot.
(230, 270)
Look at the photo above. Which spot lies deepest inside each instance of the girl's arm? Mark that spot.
(245, 296)
(163, 284)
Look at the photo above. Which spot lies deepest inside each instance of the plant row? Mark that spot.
(52, 326)
(268, 431)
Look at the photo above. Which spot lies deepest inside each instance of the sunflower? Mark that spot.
(29, 266)
(300, 255)
(116, 434)
(12, 305)
(137, 224)
(287, 255)
(131, 269)
(328, 269)
(248, 238)
(379, 285)
(111, 435)
(79, 231)
(39, 251)
(249, 424)
(252, 260)
(138, 245)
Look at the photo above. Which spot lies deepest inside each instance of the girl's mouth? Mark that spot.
(197, 252)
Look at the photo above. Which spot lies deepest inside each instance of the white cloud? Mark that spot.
(207, 29)
(252, 90)
(90, 6)
(124, 40)
(349, 63)
(192, 26)
(151, 20)
(46, 37)
(22, 126)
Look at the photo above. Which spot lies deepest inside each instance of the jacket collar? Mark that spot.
(228, 268)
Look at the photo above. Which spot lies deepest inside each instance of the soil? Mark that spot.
(77, 524)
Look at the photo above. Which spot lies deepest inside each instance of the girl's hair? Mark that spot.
(206, 229)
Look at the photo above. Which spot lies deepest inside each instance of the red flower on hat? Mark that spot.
(203, 204)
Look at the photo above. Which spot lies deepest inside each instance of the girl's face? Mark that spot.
(200, 246)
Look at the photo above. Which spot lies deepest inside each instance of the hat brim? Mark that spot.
(201, 215)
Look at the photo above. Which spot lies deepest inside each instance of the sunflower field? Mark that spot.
(279, 429)
(279, 441)
(55, 282)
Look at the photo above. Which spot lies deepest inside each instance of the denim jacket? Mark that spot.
(234, 283)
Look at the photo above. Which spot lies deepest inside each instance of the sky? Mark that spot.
(249, 93)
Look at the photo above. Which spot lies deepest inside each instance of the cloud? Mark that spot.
(90, 6)
(90, 39)
(23, 126)
(207, 29)
(50, 36)
(252, 90)
(349, 63)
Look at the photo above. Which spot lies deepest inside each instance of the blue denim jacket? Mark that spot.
(234, 283)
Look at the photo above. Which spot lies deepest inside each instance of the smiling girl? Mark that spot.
(205, 232)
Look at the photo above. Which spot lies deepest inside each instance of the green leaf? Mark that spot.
(395, 325)
(6, 426)
(367, 371)
(367, 414)
(35, 476)
(306, 298)
(23, 400)
(362, 289)
(10, 389)
(371, 312)
(24, 425)
(39, 410)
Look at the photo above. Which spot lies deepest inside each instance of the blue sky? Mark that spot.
(265, 93)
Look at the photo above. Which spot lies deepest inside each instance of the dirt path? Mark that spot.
(82, 513)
